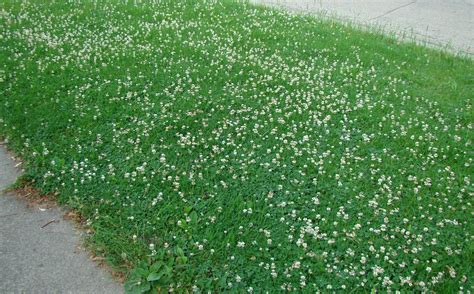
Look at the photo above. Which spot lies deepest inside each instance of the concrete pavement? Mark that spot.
(434, 22)
(40, 252)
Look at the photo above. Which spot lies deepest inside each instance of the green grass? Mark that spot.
(227, 147)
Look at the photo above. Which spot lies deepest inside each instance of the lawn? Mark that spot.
(216, 145)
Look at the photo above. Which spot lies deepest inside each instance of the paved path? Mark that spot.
(42, 260)
(436, 22)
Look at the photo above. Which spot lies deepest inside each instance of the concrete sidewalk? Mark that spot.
(40, 252)
(435, 22)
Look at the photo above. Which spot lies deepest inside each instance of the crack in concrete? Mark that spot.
(394, 9)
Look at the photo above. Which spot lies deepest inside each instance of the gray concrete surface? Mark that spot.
(433, 22)
(42, 260)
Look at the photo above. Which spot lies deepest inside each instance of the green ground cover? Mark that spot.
(221, 146)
